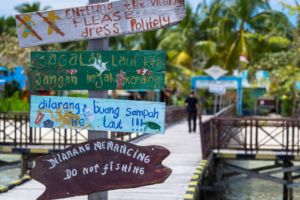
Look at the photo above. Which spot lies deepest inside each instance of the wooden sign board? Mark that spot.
(97, 21)
(97, 114)
(99, 165)
(97, 70)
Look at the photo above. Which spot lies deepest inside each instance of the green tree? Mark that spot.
(8, 25)
(235, 28)
(27, 7)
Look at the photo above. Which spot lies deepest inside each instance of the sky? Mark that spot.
(7, 6)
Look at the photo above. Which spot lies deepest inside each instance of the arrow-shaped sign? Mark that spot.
(99, 165)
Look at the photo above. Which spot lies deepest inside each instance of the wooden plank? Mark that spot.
(97, 70)
(100, 165)
(97, 114)
(97, 21)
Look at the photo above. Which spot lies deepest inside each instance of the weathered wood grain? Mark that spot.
(97, 70)
(97, 114)
(97, 21)
(99, 165)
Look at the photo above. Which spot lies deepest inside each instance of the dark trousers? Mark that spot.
(192, 117)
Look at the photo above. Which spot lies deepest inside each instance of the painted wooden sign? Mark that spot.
(97, 70)
(97, 114)
(99, 165)
(97, 21)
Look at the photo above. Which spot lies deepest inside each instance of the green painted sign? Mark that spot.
(97, 70)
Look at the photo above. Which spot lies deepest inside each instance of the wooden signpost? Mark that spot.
(97, 114)
(99, 165)
(97, 70)
(97, 21)
(102, 164)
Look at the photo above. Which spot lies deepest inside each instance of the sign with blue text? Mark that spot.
(97, 114)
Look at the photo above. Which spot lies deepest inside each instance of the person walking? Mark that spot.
(191, 103)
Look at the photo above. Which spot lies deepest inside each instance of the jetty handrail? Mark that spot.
(205, 128)
(15, 131)
(251, 135)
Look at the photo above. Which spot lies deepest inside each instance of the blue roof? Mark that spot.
(2, 68)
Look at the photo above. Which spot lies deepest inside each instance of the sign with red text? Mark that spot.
(99, 165)
(97, 114)
(97, 70)
(97, 21)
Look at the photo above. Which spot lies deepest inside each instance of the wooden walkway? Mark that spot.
(184, 157)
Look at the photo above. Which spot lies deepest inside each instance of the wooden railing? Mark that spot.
(251, 135)
(15, 131)
(205, 128)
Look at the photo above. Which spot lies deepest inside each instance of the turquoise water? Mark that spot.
(255, 189)
(9, 175)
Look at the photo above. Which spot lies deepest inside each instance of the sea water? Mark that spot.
(256, 189)
(9, 175)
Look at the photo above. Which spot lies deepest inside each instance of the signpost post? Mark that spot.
(98, 44)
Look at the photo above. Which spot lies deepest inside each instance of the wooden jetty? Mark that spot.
(184, 157)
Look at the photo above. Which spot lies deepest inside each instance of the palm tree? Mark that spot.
(238, 28)
(27, 7)
(253, 16)
(8, 25)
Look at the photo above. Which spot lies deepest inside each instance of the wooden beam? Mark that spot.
(251, 174)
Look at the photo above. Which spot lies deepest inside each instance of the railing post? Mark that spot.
(201, 137)
(4, 127)
(251, 134)
(212, 132)
(65, 137)
(245, 145)
(20, 129)
(15, 132)
(256, 135)
(54, 138)
(26, 128)
(293, 137)
(287, 136)
(218, 134)
(298, 137)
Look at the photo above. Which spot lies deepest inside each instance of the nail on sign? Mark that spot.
(97, 21)
(97, 70)
(97, 114)
(99, 165)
